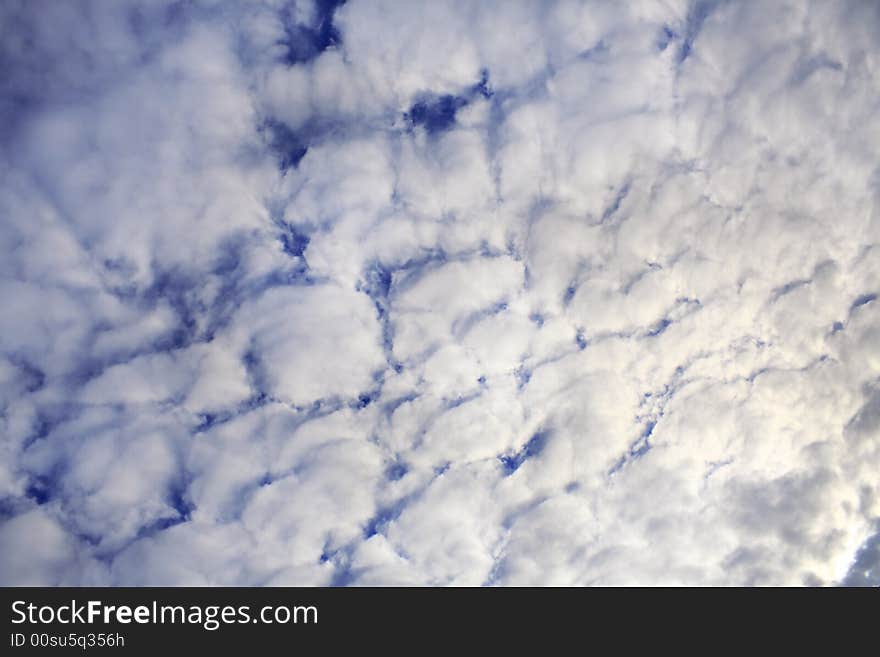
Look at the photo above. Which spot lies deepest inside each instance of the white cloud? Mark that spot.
(439, 293)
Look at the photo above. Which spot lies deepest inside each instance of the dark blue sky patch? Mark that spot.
(294, 240)
(638, 450)
(396, 471)
(181, 292)
(228, 268)
(177, 497)
(15, 109)
(865, 569)
(256, 373)
(523, 376)
(181, 337)
(39, 490)
(597, 52)
(482, 87)
(180, 505)
(288, 146)
(862, 301)
(789, 287)
(31, 377)
(665, 38)
(159, 525)
(326, 554)
(415, 268)
(340, 559)
(302, 43)
(229, 258)
(758, 372)
(391, 406)
(206, 421)
(535, 445)
(618, 466)
(10, 506)
(379, 522)
(806, 67)
(120, 265)
(697, 14)
(378, 280)
(92, 539)
(659, 327)
(255, 401)
(299, 275)
(376, 283)
(462, 326)
(459, 400)
(175, 13)
(615, 204)
(44, 423)
(344, 575)
(497, 572)
(172, 285)
(646, 432)
(47, 485)
(84, 371)
(640, 446)
(435, 113)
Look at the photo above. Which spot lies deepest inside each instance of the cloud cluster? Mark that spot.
(375, 293)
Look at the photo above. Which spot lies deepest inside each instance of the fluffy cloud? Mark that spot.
(439, 293)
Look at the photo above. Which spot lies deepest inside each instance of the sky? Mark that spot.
(439, 293)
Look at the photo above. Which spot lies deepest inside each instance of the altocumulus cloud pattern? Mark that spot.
(434, 293)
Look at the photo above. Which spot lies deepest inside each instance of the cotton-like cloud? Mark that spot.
(442, 293)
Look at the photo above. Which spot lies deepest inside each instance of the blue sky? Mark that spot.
(439, 293)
